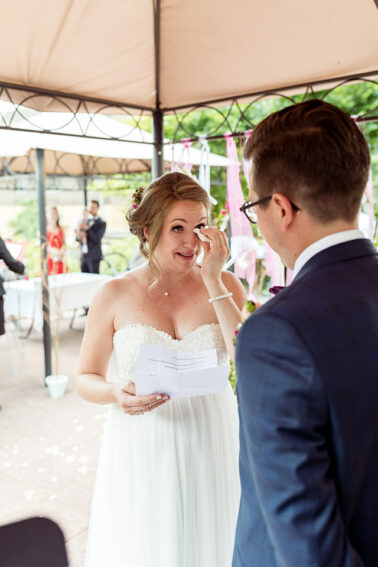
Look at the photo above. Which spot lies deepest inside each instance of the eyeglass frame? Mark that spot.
(249, 205)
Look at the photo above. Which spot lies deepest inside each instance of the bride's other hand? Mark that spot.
(215, 253)
(137, 405)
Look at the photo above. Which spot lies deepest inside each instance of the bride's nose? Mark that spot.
(190, 239)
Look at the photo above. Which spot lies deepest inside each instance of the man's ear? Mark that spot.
(284, 210)
(146, 233)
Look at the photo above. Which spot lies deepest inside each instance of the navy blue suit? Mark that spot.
(91, 261)
(307, 367)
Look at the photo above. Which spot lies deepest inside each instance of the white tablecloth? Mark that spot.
(23, 298)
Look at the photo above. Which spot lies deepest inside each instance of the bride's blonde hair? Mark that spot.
(156, 201)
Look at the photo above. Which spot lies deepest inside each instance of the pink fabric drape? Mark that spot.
(182, 164)
(368, 191)
(242, 239)
(370, 206)
(244, 161)
(274, 267)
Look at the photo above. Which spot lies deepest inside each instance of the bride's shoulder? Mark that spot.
(128, 283)
(121, 284)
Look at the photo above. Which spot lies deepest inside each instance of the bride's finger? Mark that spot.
(140, 410)
(145, 401)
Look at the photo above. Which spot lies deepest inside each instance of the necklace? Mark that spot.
(165, 293)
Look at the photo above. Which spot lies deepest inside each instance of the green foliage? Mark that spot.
(33, 259)
(120, 183)
(25, 225)
(232, 376)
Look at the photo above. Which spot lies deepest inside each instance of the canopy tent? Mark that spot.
(167, 54)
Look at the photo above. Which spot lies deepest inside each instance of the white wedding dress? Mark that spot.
(167, 488)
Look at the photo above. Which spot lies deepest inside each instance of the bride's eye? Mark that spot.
(201, 225)
(177, 228)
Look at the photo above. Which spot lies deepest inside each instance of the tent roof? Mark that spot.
(205, 50)
(74, 155)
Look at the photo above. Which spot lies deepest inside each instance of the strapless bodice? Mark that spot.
(127, 340)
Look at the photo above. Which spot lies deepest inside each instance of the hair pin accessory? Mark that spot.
(137, 197)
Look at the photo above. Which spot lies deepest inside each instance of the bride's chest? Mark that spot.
(177, 318)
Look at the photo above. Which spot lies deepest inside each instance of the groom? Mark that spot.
(307, 361)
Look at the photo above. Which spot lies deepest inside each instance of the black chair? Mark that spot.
(35, 542)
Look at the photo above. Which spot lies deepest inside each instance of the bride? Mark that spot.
(167, 486)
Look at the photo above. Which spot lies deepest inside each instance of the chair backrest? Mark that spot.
(34, 542)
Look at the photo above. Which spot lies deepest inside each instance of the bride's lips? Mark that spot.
(186, 255)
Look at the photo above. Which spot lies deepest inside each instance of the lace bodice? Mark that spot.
(127, 340)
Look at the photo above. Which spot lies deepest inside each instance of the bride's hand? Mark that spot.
(137, 405)
(215, 253)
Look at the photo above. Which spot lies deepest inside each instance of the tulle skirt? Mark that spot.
(167, 488)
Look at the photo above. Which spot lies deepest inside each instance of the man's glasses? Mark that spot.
(249, 209)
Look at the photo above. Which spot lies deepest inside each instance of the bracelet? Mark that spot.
(212, 299)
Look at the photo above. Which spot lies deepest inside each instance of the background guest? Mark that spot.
(81, 233)
(95, 229)
(13, 265)
(56, 244)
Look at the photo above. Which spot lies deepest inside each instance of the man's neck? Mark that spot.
(312, 232)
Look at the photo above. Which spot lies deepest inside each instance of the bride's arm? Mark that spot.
(96, 349)
(228, 310)
(95, 354)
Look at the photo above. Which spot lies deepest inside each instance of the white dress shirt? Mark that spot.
(322, 244)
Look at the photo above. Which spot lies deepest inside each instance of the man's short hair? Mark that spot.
(95, 201)
(316, 155)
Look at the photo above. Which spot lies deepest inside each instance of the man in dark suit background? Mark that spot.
(307, 361)
(13, 265)
(95, 230)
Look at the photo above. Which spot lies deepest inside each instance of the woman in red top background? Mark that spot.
(56, 244)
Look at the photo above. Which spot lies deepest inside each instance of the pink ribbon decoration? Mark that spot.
(274, 267)
(289, 276)
(242, 239)
(368, 190)
(183, 163)
(245, 163)
(370, 206)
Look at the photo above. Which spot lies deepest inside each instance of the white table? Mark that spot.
(68, 292)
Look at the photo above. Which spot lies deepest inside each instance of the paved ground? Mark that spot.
(48, 448)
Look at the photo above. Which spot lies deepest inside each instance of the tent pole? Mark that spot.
(44, 271)
(157, 158)
(85, 182)
(157, 115)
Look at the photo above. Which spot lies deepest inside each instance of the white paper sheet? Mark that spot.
(178, 374)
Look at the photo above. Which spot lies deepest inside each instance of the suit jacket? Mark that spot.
(11, 262)
(94, 237)
(307, 367)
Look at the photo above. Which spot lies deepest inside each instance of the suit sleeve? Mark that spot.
(11, 262)
(286, 445)
(96, 232)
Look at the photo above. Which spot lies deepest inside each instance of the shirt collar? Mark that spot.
(322, 244)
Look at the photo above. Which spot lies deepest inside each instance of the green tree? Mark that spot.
(25, 225)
